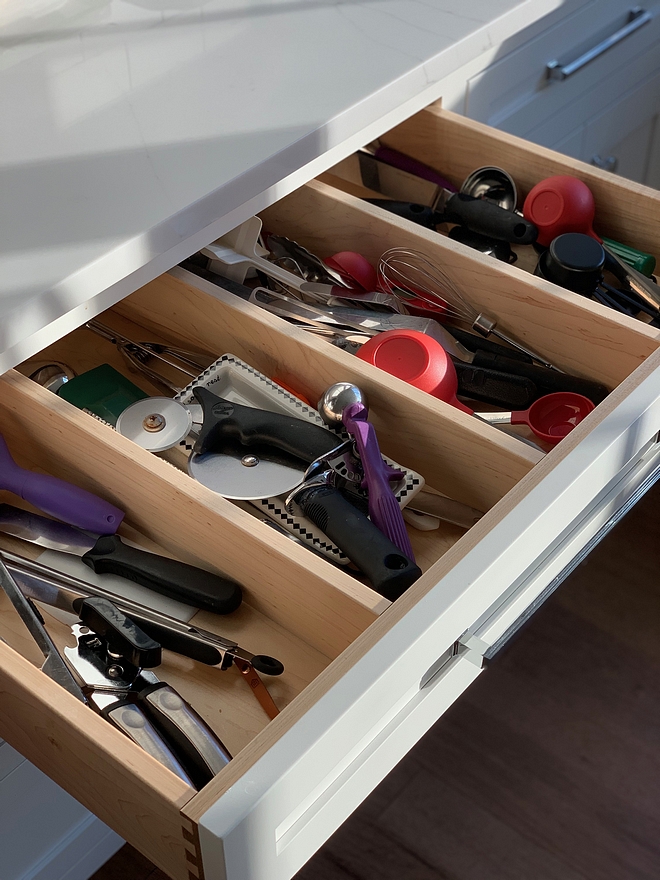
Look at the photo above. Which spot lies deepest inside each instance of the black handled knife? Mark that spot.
(107, 554)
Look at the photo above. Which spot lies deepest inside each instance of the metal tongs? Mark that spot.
(142, 354)
(108, 670)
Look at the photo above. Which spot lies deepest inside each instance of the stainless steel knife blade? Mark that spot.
(45, 532)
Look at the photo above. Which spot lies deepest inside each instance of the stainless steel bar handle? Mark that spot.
(637, 18)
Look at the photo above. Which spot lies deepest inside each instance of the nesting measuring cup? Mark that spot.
(417, 359)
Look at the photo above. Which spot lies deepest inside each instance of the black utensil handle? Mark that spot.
(489, 219)
(547, 381)
(257, 427)
(185, 644)
(420, 214)
(388, 570)
(479, 343)
(212, 592)
(201, 752)
(131, 720)
(491, 386)
(123, 635)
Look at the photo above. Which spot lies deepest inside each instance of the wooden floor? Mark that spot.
(548, 767)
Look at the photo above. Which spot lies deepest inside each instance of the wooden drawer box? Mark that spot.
(363, 681)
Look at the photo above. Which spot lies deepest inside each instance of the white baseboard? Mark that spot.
(79, 855)
(44, 833)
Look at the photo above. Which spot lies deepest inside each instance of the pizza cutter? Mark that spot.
(241, 452)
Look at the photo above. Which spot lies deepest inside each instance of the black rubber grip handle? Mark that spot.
(187, 645)
(491, 386)
(489, 219)
(420, 214)
(188, 584)
(122, 634)
(388, 570)
(473, 342)
(547, 381)
(479, 215)
(257, 427)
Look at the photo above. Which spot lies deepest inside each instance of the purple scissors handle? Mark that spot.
(57, 497)
(384, 510)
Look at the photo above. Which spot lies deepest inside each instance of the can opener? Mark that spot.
(109, 670)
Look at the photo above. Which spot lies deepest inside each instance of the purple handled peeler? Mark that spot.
(57, 497)
(384, 510)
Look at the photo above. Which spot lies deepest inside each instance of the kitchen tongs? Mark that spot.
(141, 356)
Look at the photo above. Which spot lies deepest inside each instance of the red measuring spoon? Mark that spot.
(422, 361)
(560, 204)
(551, 417)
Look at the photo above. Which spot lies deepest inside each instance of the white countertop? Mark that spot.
(133, 132)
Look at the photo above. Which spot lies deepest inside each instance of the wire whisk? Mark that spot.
(410, 276)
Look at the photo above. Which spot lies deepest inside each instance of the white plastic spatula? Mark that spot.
(235, 253)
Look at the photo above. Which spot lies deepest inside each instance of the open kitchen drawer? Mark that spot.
(363, 681)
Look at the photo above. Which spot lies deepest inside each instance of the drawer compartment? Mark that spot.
(626, 212)
(364, 679)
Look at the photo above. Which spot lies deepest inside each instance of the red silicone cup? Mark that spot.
(560, 204)
(417, 359)
(554, 416)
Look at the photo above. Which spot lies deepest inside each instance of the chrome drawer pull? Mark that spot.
(637, 18)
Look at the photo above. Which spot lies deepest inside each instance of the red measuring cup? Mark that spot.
(417, 359)
(422, 361)
(560, 204)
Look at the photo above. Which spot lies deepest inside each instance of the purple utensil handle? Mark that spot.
(412, 166)
(58, 498)
(382, 512)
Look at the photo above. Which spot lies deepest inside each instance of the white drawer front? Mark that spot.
(267, 825)
(516, 90)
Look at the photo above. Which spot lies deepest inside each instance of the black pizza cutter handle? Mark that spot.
(479, 215)
(224, 420)
(169, 577)
(388, 570)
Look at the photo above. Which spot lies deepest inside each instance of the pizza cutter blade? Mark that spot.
(155, 423)
(247, 474)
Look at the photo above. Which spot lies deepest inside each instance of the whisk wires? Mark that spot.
(411, 277)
